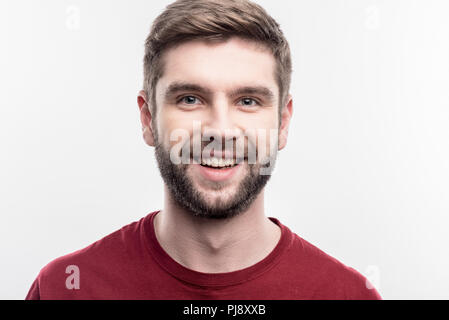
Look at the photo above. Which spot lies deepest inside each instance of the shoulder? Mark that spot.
(328, 277)
(114, 244)
(99, 259)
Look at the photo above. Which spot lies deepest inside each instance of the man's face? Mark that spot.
(225, 93)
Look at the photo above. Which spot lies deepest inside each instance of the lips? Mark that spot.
(218, 162)
(217, 165)
(217, 174)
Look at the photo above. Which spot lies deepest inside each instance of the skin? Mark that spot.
(198, 243)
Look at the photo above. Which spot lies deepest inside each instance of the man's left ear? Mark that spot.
(286, 115)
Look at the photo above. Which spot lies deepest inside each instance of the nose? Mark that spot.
(221, 122)
(221, 132)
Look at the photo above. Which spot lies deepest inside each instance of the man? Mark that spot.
(216, 107)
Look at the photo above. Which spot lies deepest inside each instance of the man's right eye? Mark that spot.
(190, 100)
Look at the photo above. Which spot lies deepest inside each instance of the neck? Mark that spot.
(216, 245)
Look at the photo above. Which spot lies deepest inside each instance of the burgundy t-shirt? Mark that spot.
(131, 264)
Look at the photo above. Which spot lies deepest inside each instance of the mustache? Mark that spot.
(225, 149)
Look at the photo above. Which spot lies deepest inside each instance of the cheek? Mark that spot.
(267, 143)
(262, 132)
(173, 129)
(263, 119)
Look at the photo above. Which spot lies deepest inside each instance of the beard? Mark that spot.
(187, 197)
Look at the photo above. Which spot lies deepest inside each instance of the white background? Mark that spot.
(365, 175)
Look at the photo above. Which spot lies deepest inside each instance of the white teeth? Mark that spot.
(217, 162)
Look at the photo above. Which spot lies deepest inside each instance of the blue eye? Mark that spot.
(188, 100)
(248, 102)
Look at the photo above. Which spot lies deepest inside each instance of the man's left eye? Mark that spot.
(248, 102)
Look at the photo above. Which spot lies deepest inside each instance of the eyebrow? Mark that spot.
(176, 87)
(254, 90)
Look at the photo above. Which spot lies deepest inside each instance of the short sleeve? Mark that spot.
(359, 288)
(33, 293)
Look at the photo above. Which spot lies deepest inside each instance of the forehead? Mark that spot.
(220, 66)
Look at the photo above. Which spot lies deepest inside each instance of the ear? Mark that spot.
(286, 115)
(145, 118)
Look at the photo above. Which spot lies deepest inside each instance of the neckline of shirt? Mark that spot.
(212, 279)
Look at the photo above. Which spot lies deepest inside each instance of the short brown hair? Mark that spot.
(214, 20)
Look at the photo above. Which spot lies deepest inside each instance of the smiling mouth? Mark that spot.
(219, 168)
(219, 163)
